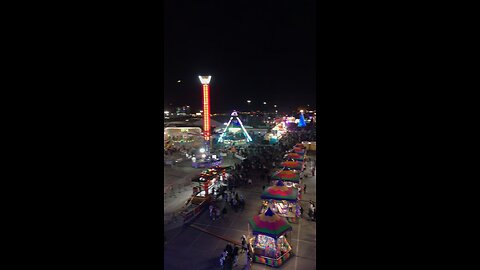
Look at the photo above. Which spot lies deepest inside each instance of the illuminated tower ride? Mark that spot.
(205, 80)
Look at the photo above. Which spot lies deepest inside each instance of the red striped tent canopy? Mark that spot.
(269, 224)
(292, 165)
(294, 156)
(299, 145)
(299, 150)
(280, 192)
(292, 176)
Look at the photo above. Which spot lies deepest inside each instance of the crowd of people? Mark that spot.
(258, 162)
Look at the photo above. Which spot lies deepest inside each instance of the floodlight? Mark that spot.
(205, 79)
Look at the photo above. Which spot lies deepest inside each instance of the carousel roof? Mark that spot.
(269, 224)
(291, 164)
(291, 176)
(280, 192)
(294, 156)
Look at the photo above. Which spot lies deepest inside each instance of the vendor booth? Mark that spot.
(294, 156)
(291, 165)
(210, 179)
(267, 239)
(299, 150)
(289, 178)
(282, 199)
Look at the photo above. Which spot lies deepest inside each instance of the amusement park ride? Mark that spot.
(231, 134)
(207, 159)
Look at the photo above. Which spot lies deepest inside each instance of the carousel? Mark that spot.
(267, 239)
(283, 201)
(289, 178)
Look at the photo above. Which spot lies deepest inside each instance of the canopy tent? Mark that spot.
(280, 192)
(269, 224)
(291, 176)
(299, 145)
(294, 156)
(292, 165)
(299, 150)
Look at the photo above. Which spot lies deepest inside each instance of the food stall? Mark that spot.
(213, 178)
(300, 145)
(294, 156)
(291, 165)
(289, 178)
(299, 150)
(282, 199)
(267, 239)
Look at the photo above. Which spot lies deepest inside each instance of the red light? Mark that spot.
(206, 112)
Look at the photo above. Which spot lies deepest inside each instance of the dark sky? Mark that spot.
(257, 50)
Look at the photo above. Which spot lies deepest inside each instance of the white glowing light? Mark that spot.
(264, 103)
(301, 111)
(179, 81)
(203, 155)
(275, 106)
(202, 150)
(249, 101)
(205, 79)
(214, 156)
(166, 112)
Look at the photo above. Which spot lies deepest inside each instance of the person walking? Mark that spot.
(211, 210)
(313, 172)
(224, 211)
(305, 188)
(235, 256)
(244, 244)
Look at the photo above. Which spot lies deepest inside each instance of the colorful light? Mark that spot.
(205, 80)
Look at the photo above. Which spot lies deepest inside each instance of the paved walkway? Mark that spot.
(179, 177)
(189, 248)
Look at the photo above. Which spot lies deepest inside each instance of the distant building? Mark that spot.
(183, 110)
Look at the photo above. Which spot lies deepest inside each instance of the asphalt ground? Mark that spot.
(189, 248)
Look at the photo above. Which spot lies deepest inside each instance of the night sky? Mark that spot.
(262, 51)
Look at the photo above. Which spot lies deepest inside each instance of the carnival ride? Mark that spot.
(232, 135)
